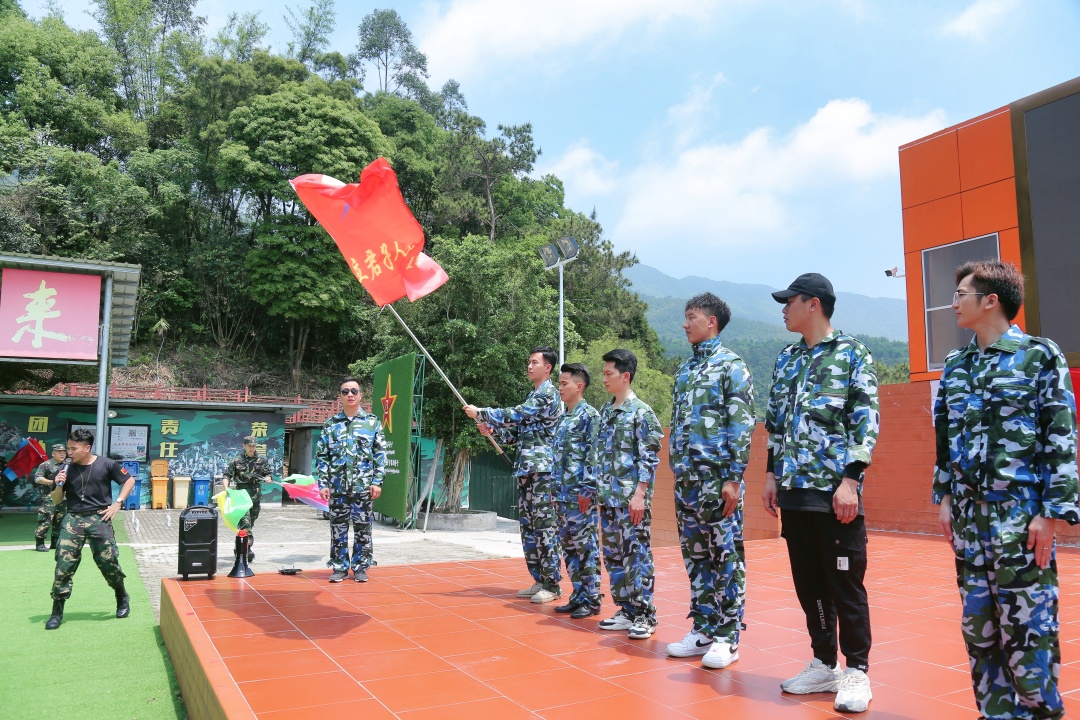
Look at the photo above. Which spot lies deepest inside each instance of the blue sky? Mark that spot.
(741, 140)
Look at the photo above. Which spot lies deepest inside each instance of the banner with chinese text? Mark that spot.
(392, 402)
(50, 315)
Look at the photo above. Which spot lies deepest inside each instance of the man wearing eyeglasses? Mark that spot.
(248, 472)
(350, 459)
(1005, 421)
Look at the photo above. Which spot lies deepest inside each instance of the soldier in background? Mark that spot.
(712, 422)
(1005, 421)
(350, 460)
(50, 515)
(571, 478)
(531, 426)
(624, 460)
(823, 421)
(248, 472)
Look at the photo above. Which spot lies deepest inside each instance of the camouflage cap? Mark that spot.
(59, 446)
(249, 440)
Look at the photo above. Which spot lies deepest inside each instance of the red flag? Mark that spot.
(375, 231)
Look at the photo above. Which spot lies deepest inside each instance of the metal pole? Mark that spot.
(104, 346)
(439, 370)
(558, 369)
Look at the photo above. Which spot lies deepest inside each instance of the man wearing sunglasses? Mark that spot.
(349, 461)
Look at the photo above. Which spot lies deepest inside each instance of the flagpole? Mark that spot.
(439, 370)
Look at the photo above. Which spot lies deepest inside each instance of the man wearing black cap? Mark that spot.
(50, 514)
(248, 472)
(823, 422)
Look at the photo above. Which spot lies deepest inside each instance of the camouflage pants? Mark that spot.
(539, 535)
(713, 554)
(248, 521)
(578, 535)
(357, 510)
(1010, 611)
(629, 560)
(77, 530)
(50, 515)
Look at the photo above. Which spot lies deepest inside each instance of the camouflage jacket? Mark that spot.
(712, 416)
(530, 425)
(571, 472)
(1005, 421)
(48, 470)
(822, 413)
(351, 454)
(625, 453)
(246, 472)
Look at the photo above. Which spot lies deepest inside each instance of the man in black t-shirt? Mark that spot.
(88, 492)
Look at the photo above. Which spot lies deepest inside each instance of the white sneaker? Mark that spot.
(693, 644)
(545, 596)
(816, 677)
(618, 621)
(720, 655)
(531, 590)
(642, 628)
(854, 693)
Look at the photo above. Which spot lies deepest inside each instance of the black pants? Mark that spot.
(828, 564)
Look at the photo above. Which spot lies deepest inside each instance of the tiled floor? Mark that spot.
(450, 641)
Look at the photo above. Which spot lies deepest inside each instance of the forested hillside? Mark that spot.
(150, 142)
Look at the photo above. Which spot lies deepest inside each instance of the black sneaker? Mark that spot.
(338, 575)
(359, 575)
(585, 610)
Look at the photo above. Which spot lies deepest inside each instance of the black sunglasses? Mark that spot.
(350, 391)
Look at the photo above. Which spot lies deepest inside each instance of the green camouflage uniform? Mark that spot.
(247, 473)
(531, 426)
(1005, 421)
(50, 515)
(627, 442)
(574, 440)
(823, 422)
(711, 425)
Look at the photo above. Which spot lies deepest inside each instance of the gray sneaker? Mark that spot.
(642, 628)
(546, 596)
(531, 590)
(338, 575)
(619, 621)
(360, 575)
(854, 694)
(816, 677)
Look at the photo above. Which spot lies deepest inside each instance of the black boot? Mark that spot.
(40, 547)
(57, 616)
(52, 545)
(122, 607)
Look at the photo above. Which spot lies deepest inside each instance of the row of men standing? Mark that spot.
(822, 422)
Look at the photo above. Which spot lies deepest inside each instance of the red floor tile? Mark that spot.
(505, 662)
(432, 690)
(271, 666)
(554, 688)
(325, 688)
(369, 709)
(491, 709)
(392, 664)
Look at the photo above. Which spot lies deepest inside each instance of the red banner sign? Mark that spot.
(50, 315)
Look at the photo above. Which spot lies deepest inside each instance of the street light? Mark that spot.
(555, 255)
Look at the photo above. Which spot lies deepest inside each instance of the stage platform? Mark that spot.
(449, 640)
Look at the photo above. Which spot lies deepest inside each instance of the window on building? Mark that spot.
(939, 284)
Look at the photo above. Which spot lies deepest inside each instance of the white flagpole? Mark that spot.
(439, 370)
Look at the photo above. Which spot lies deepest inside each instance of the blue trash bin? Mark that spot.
(202, 489)
(133, 469)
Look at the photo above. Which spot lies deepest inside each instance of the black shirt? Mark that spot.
(88, 487)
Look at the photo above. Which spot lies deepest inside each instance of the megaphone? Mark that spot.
(240, 567)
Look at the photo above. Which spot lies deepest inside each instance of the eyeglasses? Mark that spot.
(350, 391)
(957, 295)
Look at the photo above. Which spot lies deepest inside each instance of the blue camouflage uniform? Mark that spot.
(711, 426)
(1005, 421)
(531, 427)
(625, 454)
(571, 476)
(350, 457)
(823, 422)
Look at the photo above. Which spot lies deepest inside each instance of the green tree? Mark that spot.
(386, 42)
(311, 30)
(241, 36)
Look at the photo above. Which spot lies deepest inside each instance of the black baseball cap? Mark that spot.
(812, 284)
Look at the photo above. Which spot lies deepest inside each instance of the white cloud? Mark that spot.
(689, 117)
(739, 196)
(585, 172)
(979, 17)
(462, 36)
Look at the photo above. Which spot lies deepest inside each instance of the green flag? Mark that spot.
(392, 402)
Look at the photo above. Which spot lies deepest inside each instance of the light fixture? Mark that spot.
(555, 255)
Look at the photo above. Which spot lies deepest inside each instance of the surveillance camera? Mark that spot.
(888, 273)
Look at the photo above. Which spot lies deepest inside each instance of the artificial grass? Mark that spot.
(92, 666)
(17, 528)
